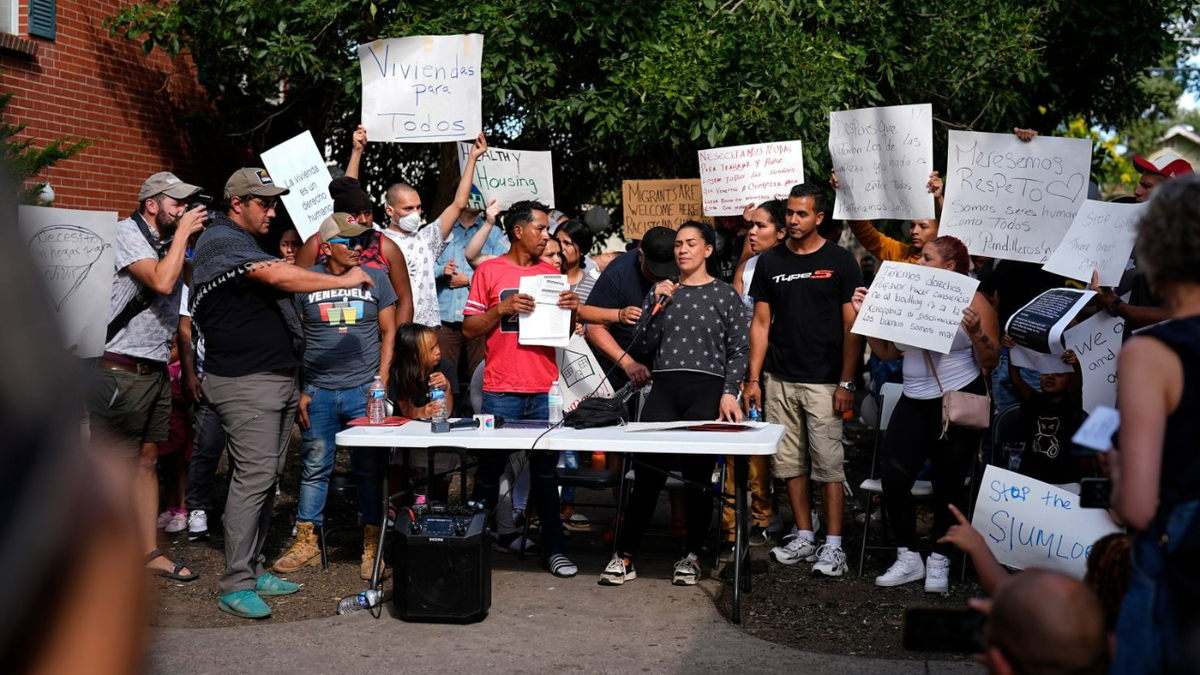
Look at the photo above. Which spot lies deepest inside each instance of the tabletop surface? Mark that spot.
(416, 434)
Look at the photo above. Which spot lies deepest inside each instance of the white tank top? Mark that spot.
(956, 369)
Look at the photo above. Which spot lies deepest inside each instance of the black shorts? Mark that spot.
(127, 410)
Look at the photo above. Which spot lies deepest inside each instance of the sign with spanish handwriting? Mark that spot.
(1096, 343)
(660, 203)
(74, 254)
(882, 157)
(1100, 238)
(509, 176)
(1028, 523)
(422, 89)
(297, 165)
(731, 178)
(915, 305)
(1013, 200)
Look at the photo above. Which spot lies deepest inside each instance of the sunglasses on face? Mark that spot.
(359, 241)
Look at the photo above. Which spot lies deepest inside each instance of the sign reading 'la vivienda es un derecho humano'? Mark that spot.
(422, 89)
(660, 203)
(915, 305)
(297, 165)
(1009, 199)
(733, 177)
(510, 176)
(882, 157)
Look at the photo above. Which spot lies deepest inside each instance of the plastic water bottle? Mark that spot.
(438, 395)
(365, 600)
(554, 404)
(754, 416)
(376, 397)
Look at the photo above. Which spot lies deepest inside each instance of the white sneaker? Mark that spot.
(831, 561)
(617, 572)
(164, 518)
(178, 522)
(908, 567)
(687, 573)
(197, 526)
(797, 549)
(937, 575)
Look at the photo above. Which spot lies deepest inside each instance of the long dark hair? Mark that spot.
(579, 233)
(408, 362)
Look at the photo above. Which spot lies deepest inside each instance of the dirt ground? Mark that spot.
(848, 615)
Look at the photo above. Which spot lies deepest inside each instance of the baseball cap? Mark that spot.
(166, 183)
(658, 247)
(341, 225)
(252, 181)
(1168, 164)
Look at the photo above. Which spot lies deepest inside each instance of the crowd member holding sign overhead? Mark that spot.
(697, 332)
(916, 431)
(348, 339)
(886, 248)
(516, 377)
(423, 246)
(800, 338)
(129, 395)
(243, 307)
(1156, 474)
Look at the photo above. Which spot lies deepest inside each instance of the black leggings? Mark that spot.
(913, 435)
(675, 396)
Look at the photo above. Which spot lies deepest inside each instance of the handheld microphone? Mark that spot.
(664, 299)
(445, 427)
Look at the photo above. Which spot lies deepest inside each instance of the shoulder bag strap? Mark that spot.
(929, 365)
(142, 301)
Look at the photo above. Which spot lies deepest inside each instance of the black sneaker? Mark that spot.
(197, 526)
(760, 536)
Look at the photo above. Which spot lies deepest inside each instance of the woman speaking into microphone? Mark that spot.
(696, 328)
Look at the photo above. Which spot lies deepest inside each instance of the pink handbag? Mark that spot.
(961, 409)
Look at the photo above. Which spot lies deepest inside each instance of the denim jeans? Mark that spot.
(328, 413)
(1003, 393)
(542, 467)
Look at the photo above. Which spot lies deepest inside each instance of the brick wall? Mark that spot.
(85, 83)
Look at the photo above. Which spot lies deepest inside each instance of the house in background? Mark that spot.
(1182, 140)
(71, 78)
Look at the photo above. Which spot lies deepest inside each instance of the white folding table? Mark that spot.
(763, 440)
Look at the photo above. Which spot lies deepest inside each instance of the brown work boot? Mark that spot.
(304, 551)
(370, 547)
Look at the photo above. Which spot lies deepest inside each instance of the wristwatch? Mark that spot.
(848, 386)
(1115, 307)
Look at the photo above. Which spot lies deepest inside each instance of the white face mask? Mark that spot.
(410, 223)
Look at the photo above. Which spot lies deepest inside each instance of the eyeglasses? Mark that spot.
(358, 241)
(266, 204)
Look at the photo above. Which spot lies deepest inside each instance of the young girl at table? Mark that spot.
(418, 366)
(701, 344)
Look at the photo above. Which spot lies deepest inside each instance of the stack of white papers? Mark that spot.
(548, 324)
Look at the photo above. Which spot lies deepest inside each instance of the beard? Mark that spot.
(165, 223)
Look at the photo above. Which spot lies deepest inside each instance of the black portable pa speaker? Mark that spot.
(443, 561)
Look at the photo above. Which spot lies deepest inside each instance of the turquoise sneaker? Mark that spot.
(245, 604)
(269, 584)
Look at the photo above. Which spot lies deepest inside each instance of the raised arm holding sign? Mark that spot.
(1013, 199)
(882, 157)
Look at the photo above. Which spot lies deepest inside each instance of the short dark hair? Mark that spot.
(521, 213)
(810, 190)
(706, 231)
(579, 233)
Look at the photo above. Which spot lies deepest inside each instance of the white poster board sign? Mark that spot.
(422, 89)
(915, 305)
(74, 253)
(1037, 329)
(1013, 200)
(297, 165)
(509, 176)
(1100, 238)
(1096, 343)
(882, 157)
(1028, 523)
(731, 178)
(579, 373)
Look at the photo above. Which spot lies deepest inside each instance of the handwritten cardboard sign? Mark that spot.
(296, 164)
(1096, 343)
(1013, 200)
(882, 157)
(1100, 238)
(731, 178)
(660, 203)
(74, 254)
(422, 89)
(1028, 523)
(915, 305)
(509, 176)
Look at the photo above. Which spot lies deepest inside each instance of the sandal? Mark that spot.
(172, 574)
(577, 522)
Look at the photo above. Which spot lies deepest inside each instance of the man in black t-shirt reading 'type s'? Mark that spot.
(800, 340)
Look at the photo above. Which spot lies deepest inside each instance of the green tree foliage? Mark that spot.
(28, 162)
(631, 89)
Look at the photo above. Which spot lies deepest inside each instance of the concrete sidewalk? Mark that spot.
(537, 624)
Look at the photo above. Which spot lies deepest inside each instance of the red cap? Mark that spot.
(1168, 164)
